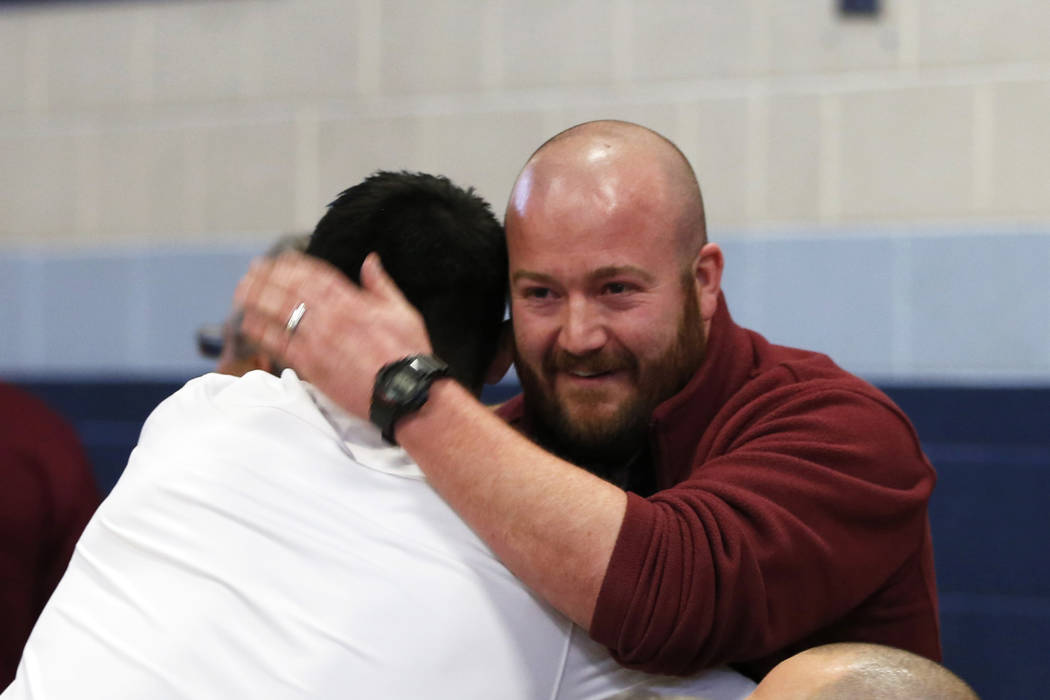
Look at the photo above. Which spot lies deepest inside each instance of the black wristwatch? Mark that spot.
(401, 388)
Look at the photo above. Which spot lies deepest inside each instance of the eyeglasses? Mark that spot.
(210, 339)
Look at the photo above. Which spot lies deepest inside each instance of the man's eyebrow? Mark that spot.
(600, 274)
(620, 271)
(532, 276)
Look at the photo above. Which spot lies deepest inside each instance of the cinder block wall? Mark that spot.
(906, 155)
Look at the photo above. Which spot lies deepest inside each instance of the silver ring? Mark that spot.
(295, 317)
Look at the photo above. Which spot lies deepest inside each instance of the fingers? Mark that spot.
(269, 335)
(344, 325)
(269, 278)
(375, 279)
(272, 288)
(252, 282)
(260, 300)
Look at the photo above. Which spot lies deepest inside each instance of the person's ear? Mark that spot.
(707, 273)
(504, 356)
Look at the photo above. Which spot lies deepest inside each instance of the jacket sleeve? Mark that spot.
(802, 515)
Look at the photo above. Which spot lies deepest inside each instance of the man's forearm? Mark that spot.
(552, 524)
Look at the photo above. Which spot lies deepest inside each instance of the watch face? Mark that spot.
(401, 386)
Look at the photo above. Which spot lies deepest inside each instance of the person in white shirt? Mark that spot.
(263, 543)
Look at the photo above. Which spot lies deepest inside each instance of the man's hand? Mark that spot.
(347, 333)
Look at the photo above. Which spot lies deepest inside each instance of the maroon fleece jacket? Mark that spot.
(791, 512)
(47, 496)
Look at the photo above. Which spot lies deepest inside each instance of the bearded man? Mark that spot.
(705, 496)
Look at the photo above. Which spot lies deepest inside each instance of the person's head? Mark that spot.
(846, 671)
(236, 355)
(442, 246)
(613, 285)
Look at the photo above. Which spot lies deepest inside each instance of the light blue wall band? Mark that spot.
(895, 307)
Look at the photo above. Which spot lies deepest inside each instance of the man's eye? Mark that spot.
(616, 288)
(537, 293)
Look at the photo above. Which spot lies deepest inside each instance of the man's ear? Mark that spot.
(504, 356)
(707, 270)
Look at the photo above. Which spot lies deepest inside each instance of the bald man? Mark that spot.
(847, 671)
(691, 493)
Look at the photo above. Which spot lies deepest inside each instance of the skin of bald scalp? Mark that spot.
(845, 671)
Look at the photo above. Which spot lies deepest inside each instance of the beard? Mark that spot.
(608, 443)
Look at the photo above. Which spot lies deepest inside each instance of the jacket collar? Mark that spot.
(679, 422)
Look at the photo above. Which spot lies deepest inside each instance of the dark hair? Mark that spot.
(443, 247)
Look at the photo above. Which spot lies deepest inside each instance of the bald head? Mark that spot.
(608, 164)
(854, 670)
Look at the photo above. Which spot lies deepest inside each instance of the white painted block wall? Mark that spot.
(183, 129)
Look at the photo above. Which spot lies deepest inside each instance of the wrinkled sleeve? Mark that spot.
(805, 514)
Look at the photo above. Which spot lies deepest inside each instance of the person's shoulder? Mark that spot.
(798, 370)
(40, 440)
(191, 396)
(788, 379)
(25, 413)
(812, 412)
(216, 421)
(11, 395)
(212, 398)
(220, 390)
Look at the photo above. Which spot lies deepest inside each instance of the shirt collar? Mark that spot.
(361, 440)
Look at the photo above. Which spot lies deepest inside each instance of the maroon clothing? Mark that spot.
(792, 512)
(47, 495)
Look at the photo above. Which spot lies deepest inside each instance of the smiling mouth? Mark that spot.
(582, 374)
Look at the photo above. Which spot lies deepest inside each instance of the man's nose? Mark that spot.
(582, 329)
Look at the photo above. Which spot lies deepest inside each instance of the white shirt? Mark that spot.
(262, 543)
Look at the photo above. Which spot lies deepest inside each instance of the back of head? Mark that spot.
(443, 247)
(875, 671)
(846, 671)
